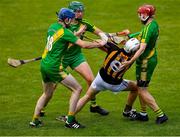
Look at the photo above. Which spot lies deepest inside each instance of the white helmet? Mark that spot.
(132, 45)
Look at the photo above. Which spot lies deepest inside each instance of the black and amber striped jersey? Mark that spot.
(112, 70)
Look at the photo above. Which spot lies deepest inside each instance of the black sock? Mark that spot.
(93, 102)
(127, 108)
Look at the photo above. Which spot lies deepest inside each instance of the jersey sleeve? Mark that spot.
(90, 27)
(133, 35)
(69, 36)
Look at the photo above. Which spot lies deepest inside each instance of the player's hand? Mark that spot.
(126, 64)
(81, 30)
(124, 32)
(103, 36)
(100, 42)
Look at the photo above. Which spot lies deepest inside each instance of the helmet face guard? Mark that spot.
(132, 45)
(143, 17)
(67, 22)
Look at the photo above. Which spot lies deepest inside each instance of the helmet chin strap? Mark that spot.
(142, 17)
(78, 19)
(67, 23)
(144, 20)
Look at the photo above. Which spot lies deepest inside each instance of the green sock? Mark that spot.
(159, 113)
(70, 118)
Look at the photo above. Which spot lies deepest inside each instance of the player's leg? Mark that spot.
(128, 111)
(97, 85)
(144, 73)
(150, 101)
(88, 96)
(85, 71)
(132, 87)
(42, 112)
(71, 83)
(48, 89)
(143, 109)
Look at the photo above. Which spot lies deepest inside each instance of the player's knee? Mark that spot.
(48, 95)
(141, 83)
(78, 89)
(133, 87)
(89, 81)
(134, 91)
(89, 96)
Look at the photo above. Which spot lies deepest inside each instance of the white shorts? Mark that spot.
(99, 85)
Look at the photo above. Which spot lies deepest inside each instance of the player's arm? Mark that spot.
(119, 37)
(97, 31)
(81, 30)
(120, 33)
(70, 37)
(146, 35)
(92, 28)
(88, 45)
(144, 39)
(136, 55)
(125, 32)
(102, 35)
(138, 52)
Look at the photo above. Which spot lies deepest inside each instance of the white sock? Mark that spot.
(143, 114)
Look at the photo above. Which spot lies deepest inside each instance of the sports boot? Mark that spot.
(74, 124)
(129, 113)
(162, 119)
(139, 117)
(35, 123)
(98, 109)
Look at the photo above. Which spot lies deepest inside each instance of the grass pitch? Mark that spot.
(23, 26)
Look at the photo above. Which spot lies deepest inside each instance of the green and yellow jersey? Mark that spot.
(58, 39)
(149, 35)
(146, 63)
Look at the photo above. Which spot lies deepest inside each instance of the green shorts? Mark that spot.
(52, 74)
(144, 70)
(73, 61)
